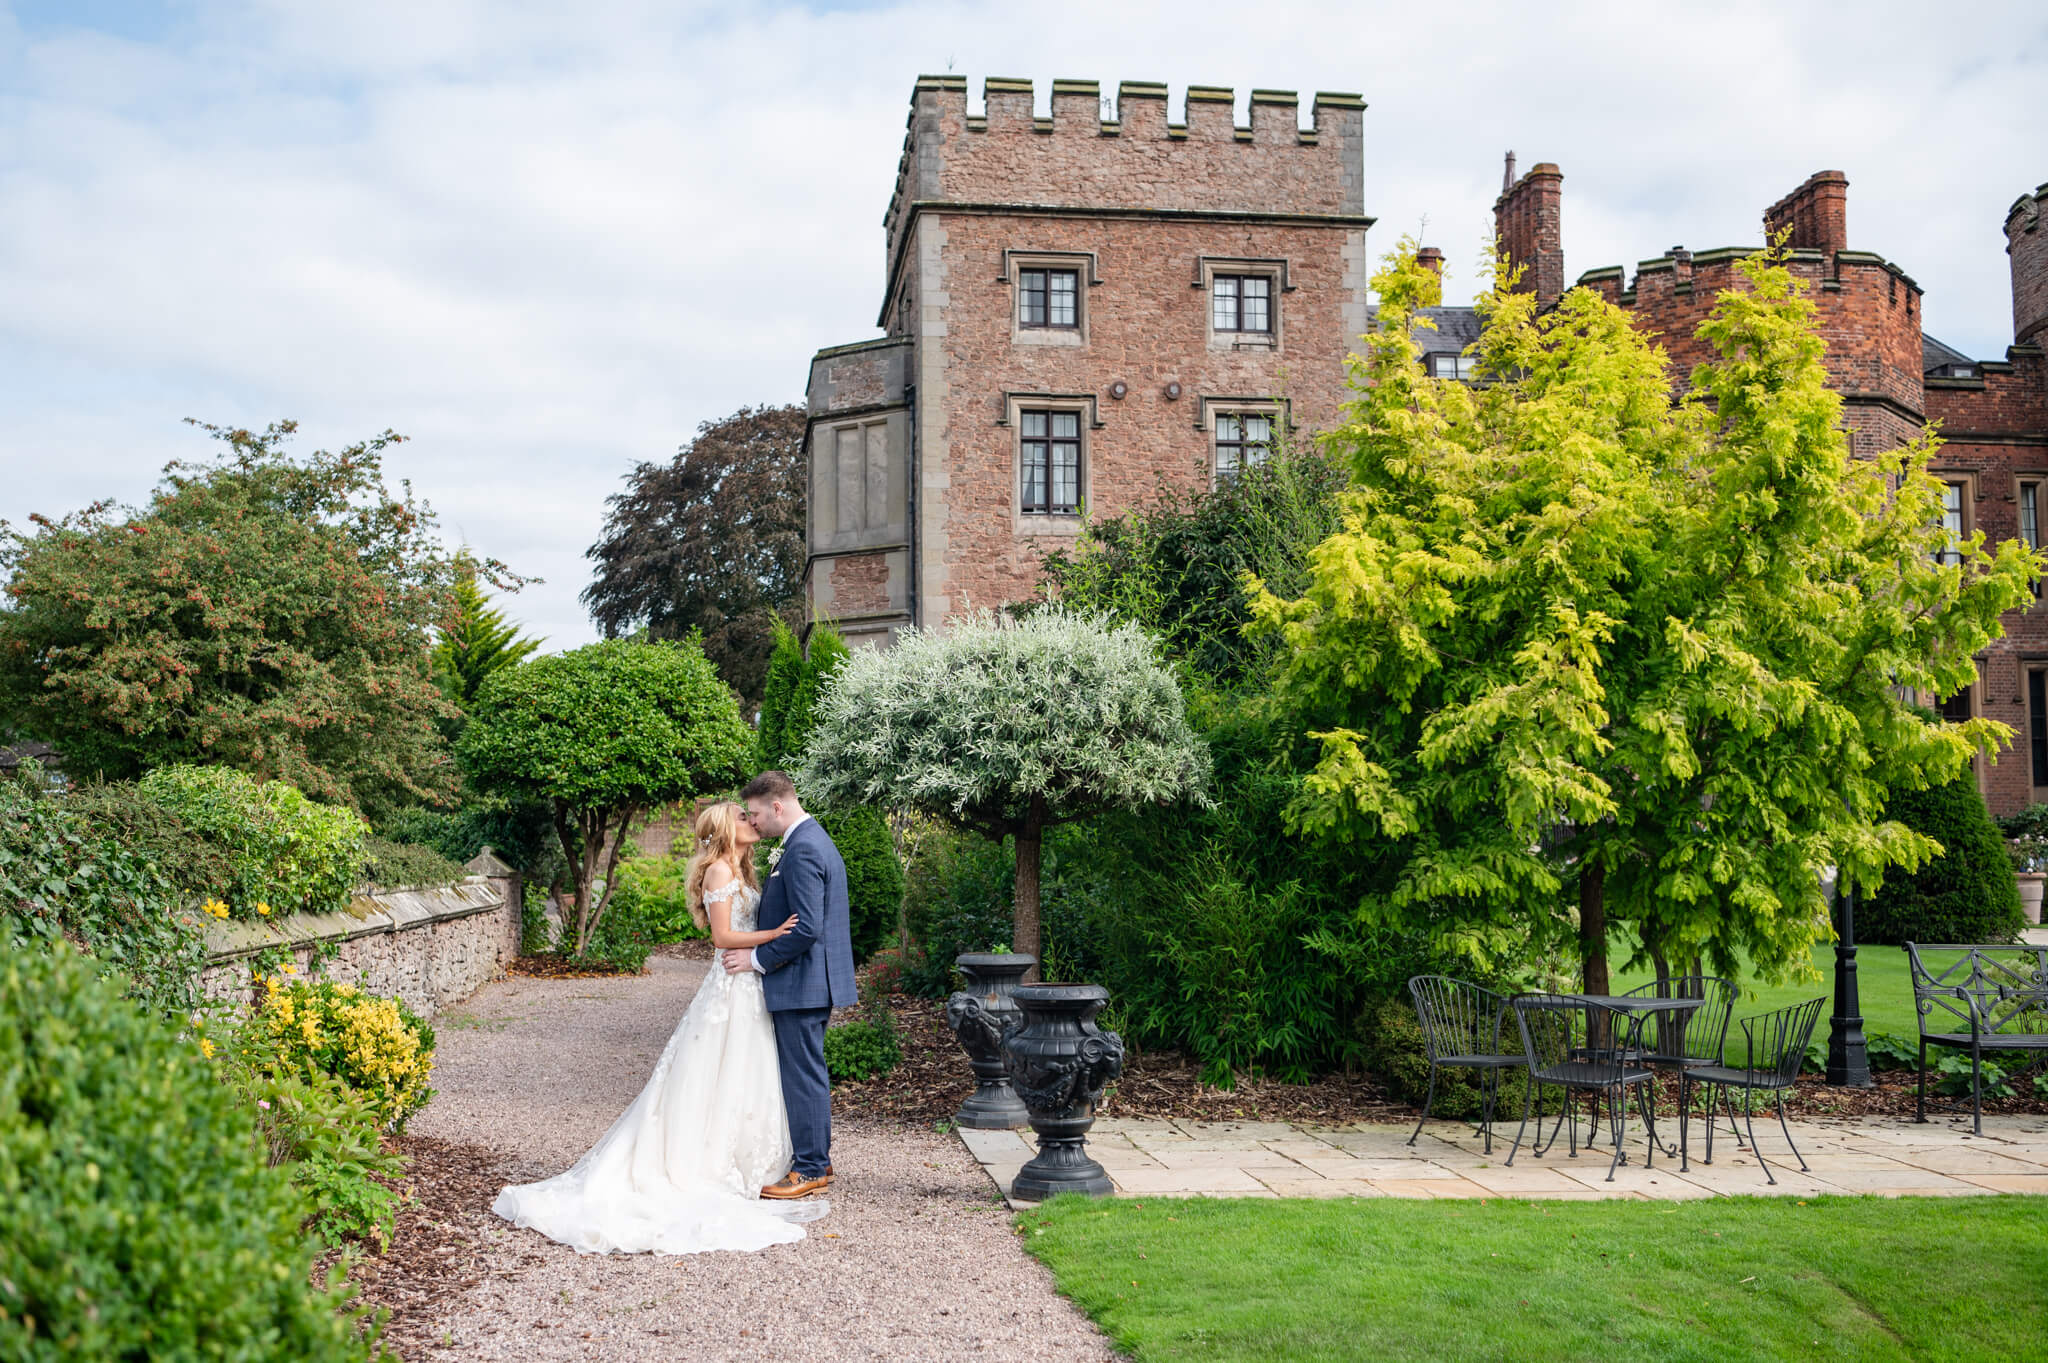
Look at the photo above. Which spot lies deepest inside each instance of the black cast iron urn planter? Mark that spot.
(981, 1016)
(1059, 1061)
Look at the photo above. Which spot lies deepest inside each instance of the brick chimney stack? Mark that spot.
(1817, 212)
(1528, 219)
(1431, 259)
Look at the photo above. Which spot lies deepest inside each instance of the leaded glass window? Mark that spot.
(1242, 302)
(1242, 440)
(1051, 474)
(1049, 298)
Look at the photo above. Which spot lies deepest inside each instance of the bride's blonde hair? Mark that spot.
(717, 839)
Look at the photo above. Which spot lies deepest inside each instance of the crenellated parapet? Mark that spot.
(1126, 154)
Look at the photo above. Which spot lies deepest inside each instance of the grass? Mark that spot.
(1176, 1281)
(1884, 984)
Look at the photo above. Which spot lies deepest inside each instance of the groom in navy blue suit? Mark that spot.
(805, 973)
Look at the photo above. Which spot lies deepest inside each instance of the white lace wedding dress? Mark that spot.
(681, 1171)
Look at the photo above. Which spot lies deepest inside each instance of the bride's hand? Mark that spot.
(789, 923)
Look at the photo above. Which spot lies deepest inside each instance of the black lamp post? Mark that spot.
(1848, 1062)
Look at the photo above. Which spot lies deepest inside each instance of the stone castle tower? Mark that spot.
(1079, 311)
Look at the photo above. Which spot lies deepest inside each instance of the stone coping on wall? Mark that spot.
(368, 914)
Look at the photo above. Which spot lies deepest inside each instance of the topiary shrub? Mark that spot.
(283, 850)
(138, 1216)
(874, 875)
(1967, 894)
(785, 672)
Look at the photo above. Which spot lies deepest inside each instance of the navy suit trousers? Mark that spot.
(806, 1087)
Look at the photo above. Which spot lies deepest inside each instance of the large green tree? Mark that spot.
(263, 612)
(1007, 728)
(711, 541)
(1577, 641)
(601, 735)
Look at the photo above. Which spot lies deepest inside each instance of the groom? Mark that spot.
(805, 973)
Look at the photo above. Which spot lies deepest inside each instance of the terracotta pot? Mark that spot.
(982, 1016)
(1059, 1061)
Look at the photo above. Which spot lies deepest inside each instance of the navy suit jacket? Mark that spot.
(811, 965)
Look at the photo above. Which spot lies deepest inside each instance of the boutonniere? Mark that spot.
(774, 855)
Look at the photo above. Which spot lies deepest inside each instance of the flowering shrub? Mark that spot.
(285, 853)
(377, 1046)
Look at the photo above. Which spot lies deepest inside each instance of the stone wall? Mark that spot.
(430, 947)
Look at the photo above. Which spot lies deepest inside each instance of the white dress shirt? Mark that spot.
(752, 959)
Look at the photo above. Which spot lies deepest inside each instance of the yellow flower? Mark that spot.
(206, 1048)
(263, 909)
(214, 907)
(289, 969)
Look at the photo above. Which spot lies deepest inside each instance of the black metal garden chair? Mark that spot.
(1580, 1046)
(1975, 999)
(1774, 1045)
(1461, 1030)
(1688, 1040)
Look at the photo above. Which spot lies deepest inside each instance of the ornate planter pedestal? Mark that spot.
(2030, 895)
(1059, 1061)
(982, 1015)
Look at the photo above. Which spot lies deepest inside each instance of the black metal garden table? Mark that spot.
(1640, 1009)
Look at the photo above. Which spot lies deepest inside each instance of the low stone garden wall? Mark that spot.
(430, 947)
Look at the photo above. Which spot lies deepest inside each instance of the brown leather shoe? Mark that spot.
(793, 1184)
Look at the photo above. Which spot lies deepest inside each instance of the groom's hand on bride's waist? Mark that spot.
(738, 962)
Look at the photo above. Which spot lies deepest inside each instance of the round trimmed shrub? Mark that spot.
(138, 1216)
(1967, 894)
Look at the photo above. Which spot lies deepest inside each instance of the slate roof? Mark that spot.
(1934, 355)
(1456, 328)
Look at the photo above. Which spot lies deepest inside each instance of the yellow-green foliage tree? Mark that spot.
(1589, 657)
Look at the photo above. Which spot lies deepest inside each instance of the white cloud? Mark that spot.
(546, 241)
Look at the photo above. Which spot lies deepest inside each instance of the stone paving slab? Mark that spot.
(1938, 1158)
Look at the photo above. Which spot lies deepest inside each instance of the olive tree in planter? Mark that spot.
(601, 735)
(1007, 727)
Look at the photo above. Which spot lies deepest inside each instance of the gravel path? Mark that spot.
(916, 1261)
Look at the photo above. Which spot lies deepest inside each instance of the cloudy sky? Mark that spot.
(546, 240)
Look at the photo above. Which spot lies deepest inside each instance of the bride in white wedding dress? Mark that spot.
(680, 1171)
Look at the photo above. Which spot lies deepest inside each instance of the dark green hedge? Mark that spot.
(1967, 894)
(139, 1219)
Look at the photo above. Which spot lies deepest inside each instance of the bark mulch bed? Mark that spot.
(933, 1079)
(435, 1248)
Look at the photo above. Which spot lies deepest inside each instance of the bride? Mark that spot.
(680, 1171)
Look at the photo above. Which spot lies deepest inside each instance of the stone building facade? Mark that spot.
(1081, 310)
(1894, 379)
(1078, 311)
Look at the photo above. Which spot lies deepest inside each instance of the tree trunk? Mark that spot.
(1024, 936)
(1593, 928)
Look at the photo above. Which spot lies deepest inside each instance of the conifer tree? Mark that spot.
(477, 641)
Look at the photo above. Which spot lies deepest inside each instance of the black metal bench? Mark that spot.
(1978, 999)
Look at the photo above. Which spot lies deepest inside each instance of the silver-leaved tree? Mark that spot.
(1007, 728)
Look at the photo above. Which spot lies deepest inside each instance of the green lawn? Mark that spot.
(1390, 1280)
(1883, 981)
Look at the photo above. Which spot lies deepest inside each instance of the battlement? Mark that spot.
(1136, 160)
